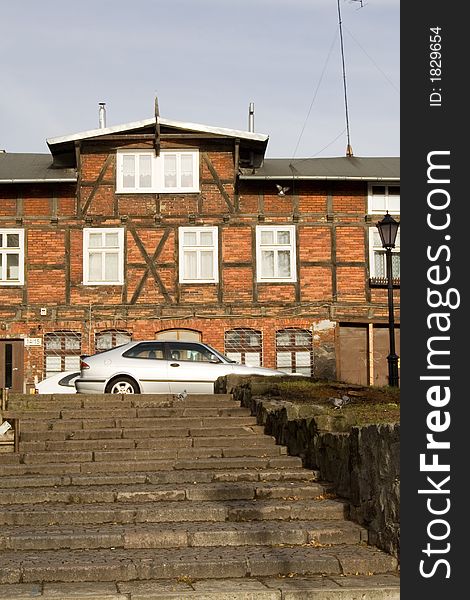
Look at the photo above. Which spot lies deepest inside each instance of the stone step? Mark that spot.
(353, 587)
(89, 467)
(59, 424)
(145, 492)
(158, 431)
(190, 563)
(133, 454)
(288, 476)
(295, 533)
(148, 497)
(170, 512)
(59, 401)
(73, 444)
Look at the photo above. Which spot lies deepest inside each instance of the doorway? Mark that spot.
(12, 365)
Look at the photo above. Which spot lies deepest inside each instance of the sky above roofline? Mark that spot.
(206, 60)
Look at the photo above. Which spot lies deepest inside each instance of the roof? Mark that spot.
(32, 168)
(235, 133)
(337, 168)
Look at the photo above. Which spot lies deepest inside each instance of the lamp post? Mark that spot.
(388, 229)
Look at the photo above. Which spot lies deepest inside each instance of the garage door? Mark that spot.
(381, 351)
(357, 345)
(352, 355)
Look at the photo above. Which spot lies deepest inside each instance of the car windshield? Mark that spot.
(194, 352)
(220, 355)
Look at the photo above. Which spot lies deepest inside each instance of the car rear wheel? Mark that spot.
(122, 385)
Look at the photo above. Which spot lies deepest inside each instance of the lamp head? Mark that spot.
(388, 229)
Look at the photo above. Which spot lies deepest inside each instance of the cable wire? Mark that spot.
(315, 93)
(373, 61)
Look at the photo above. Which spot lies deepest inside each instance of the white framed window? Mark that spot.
(11, 256)
(275, 253)
(103, 256)
(173, 171)
(377, 257)
(383, 198)
(198, 255)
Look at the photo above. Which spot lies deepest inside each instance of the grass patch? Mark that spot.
(367, 404)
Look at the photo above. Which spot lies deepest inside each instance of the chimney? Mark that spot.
(102, 115)
(251, 117)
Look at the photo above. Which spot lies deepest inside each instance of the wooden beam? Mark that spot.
(124, 136)
(236, 171)
(104, 168)
(128, 136)
(67, 265)
(78, 201)
(219, 184)
(150, 265)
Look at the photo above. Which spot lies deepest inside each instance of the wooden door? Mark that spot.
(12, 365)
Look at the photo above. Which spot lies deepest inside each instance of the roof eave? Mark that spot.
(319, 177)
(222, 131)
(40, 180)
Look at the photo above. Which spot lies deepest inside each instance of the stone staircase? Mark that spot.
(150, 497)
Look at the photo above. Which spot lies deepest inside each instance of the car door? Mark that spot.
(146, 363)
(193, 368)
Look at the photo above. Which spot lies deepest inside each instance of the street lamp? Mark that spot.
(388, 229)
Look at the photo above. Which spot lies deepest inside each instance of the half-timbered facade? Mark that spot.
(161, 229)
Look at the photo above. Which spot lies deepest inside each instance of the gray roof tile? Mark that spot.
(29, 168)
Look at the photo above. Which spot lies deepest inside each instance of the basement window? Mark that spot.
(294, 351)
(62, 352)
(244, 346)
(111, 338)
(141, 171)
(11, 257)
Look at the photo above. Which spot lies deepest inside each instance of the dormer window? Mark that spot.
(174, 171)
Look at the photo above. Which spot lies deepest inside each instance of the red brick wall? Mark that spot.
(316, 283)
(351, 283)
(350, 244)
(237, 285)
(237, 244)
(315, 243)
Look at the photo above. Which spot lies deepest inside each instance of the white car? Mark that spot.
(60, 383)
(159, 367)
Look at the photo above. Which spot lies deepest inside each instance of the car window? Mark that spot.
(152, 350)
(67, 380)
(191, 352)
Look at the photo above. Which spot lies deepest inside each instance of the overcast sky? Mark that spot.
(206, 60)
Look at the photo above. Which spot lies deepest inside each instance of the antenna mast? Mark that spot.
(349, 150)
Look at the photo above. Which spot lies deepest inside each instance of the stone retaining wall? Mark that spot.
(362, 462)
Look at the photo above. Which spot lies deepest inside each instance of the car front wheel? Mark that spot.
(122, 385)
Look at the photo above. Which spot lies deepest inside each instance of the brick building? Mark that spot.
(167, 229)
